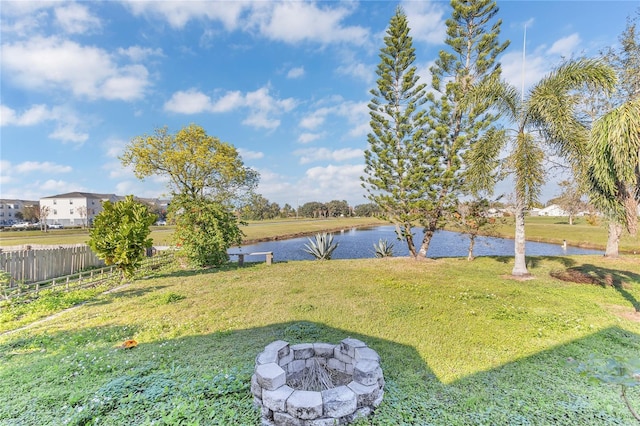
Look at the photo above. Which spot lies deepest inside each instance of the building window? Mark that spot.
(1, 214)
(55, 211)
(55, 202)
(71, 211)
(70, 201)
(93, 202)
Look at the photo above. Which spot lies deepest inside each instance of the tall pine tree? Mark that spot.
(396, 167)
(458, 135)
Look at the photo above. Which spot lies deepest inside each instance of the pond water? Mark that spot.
(357, 243)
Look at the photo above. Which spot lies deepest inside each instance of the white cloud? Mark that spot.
(86, 71)
(318, 184)
(359, 71)
(426, 20)
(41, 167)
(67, 123)
(565, 46)
(310, 155)
(75, 18)
(189, 102)
(250, 155)
(309, 137)
(261, 105)
(296, 72)
(334, 182)
(34, 115)
(356, 113)
(229, 102)
(294, 22)
(289, 22)
(52, 186)
(23, 18)
(138, 53)
(179, 13)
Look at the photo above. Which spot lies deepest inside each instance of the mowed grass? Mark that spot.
(162, 235)
(461, 343)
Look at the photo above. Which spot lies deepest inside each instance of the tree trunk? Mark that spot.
(405, 232)
(520, 265)
(424, 247)
(615, 231)
(472, 242)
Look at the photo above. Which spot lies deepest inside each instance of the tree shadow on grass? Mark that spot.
(180, 374)
(619, 279)
(534, 261)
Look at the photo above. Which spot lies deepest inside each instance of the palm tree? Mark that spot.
(545, 117)
(614, 169)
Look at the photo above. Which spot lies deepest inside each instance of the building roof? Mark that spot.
(82, 195)
(13, 200)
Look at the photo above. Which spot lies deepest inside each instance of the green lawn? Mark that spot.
(461, 343)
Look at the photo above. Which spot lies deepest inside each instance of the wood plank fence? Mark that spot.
(28, 266)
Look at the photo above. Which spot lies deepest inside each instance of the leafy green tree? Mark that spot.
(570, 198)
(205, 230)
(458, 134)
(472, 218)
(546, 116)
(614, 168)
(257, 208)
(202, 171)
(313, 209)
(287, 211)
(366, 210)
(120, 234)
(196, 164)
(338, 208)
(610, 173)
(396, 164)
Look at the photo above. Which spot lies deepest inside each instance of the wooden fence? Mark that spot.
(28, 266)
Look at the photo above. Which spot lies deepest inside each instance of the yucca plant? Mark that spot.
(322, 247)
(383, 249)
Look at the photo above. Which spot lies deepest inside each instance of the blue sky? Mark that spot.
(287, 83)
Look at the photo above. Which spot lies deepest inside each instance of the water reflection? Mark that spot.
(358, 243)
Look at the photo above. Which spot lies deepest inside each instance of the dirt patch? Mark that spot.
(575, 275)
(624, 312)
(518, 277)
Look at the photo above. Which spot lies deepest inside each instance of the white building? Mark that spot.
(553, 210)
(9, 208)
(75, 208)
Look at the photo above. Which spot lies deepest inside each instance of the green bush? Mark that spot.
(120, 234)
(204, 232)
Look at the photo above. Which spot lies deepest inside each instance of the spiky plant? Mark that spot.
(383, 249)
(322, 247)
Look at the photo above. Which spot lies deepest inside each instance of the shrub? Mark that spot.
(204, 232)
(120, 234)
(383, 249)
(322, 247)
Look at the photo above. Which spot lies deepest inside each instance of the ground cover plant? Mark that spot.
(461, 343)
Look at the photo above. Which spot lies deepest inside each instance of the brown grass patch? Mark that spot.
(575, 275)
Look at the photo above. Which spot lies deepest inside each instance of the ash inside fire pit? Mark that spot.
(317, 383)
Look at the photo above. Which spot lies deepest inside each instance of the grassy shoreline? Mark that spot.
(461, 343)
(539, 229)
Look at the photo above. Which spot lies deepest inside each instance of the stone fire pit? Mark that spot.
(346, 380)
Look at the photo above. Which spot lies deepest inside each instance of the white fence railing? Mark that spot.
(28, 266)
